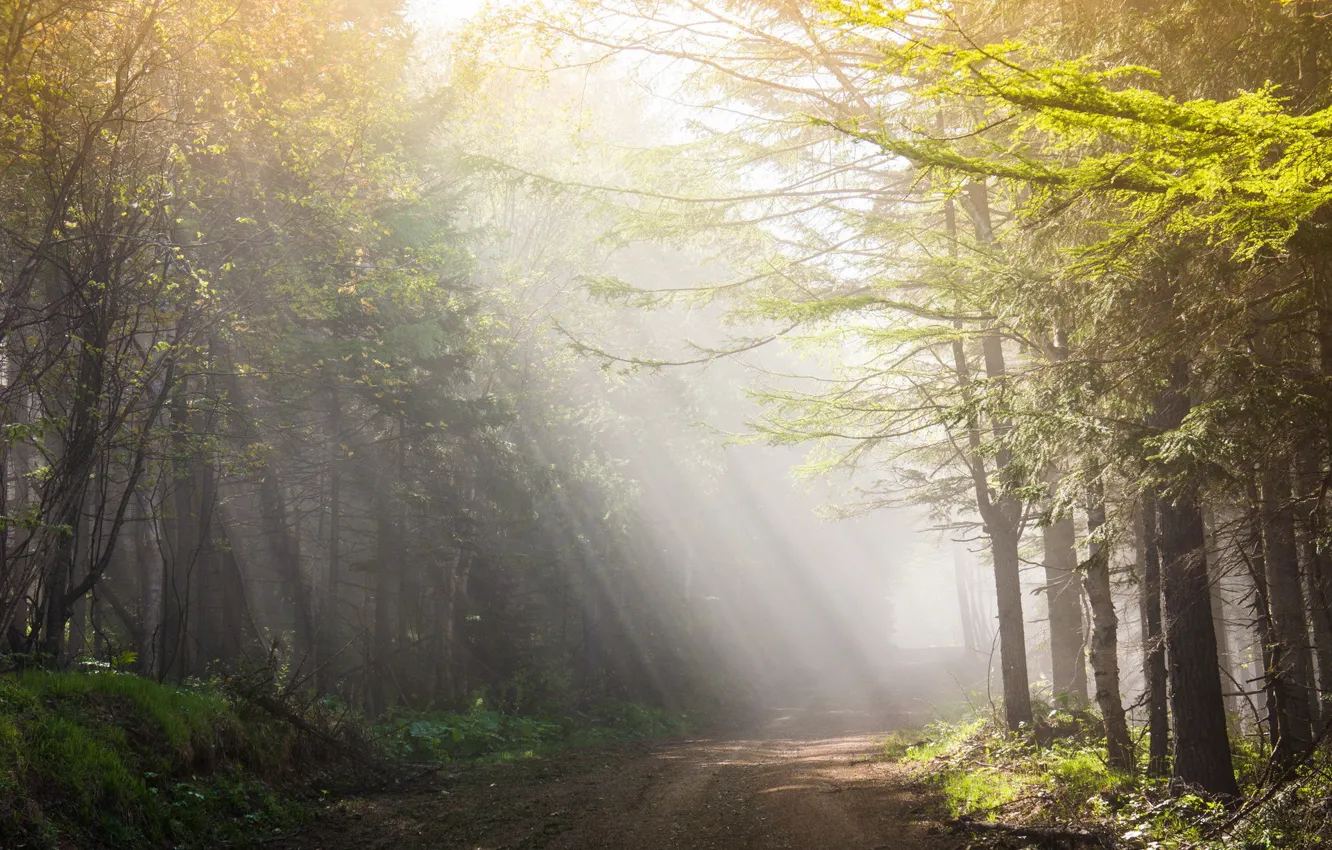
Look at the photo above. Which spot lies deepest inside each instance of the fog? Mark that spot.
(801, 584)
(453, 379)
(559, 352)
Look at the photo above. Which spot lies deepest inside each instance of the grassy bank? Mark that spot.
(987, 776)
(105, 759)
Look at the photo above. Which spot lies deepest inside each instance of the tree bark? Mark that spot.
(1225, 658)
(179, 532)
(1154, 651)
(1317, 575)
(1104, 649)
(964, 607)
(1068, 668)
(1201, 746)
(149, 607)
(1253, 552)
(1291, 665)
(329, 622)
(386, 587)
(1002, 516)
(211, 588)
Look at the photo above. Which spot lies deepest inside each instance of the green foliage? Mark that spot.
(119, 761)
(980, 793)
(483, 731)
(194, 725)
(943, 741)
(985, 774)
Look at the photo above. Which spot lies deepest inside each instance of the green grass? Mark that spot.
(114, 760)
(980, 793)
(982, 771)
(984, 774)
(940, 741)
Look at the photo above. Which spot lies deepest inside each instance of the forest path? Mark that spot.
(805, 781)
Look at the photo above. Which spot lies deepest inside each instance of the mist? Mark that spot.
(716, 404)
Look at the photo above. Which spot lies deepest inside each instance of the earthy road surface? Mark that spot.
(804, 780)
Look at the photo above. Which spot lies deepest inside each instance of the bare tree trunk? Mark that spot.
(1064, 600)
(1002, 516)
(77, 642)
(1201, 744)
(1225, 658)
(211, 588)
(386, 587)
(407, 608)
(1104, 650)
(591, 656)
(1154, 651)
(147, 565)
(238, 621)
(1317, 574)
(179, 529)
(285, 548)
(1255, 559)
(329, 625)
(1292, 667)
(964, 606)
(214, 643)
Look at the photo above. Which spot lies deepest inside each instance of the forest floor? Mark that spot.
(800, 780)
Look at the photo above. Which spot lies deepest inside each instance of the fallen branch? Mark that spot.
(1053, 837)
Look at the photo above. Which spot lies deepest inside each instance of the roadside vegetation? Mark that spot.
(112, 759)
(484, 731)
(102, 758)
(1056, 789)
(325, 347)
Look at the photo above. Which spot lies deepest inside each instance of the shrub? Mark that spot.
(485, 731)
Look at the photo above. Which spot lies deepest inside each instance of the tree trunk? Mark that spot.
(964, 607)
(591, 660)
(211, 589)
(1201, 746)
(386, 587)
(238, 622)
(1225, 658)
(1104, 650)
(1002, 516)
(1154, 651)
(1291, 666)
(329, 621)
(1252, 549)
(1012, 637)
(179, 532)
(407, 609)
(1068, 669)
(1317, 574)
(147, 565)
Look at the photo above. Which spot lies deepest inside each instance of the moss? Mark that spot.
(115, 760)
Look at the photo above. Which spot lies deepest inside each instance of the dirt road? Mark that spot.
(803, 781)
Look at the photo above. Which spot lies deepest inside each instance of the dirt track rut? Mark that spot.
(803, 782)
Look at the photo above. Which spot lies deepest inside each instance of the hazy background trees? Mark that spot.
(296, 383)
(1072, 304)
(405, 361)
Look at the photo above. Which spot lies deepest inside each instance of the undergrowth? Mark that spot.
(986, 775)
(114, 760)
(111, 760)
(485, 732)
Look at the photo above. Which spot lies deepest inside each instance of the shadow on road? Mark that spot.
(804, 779)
